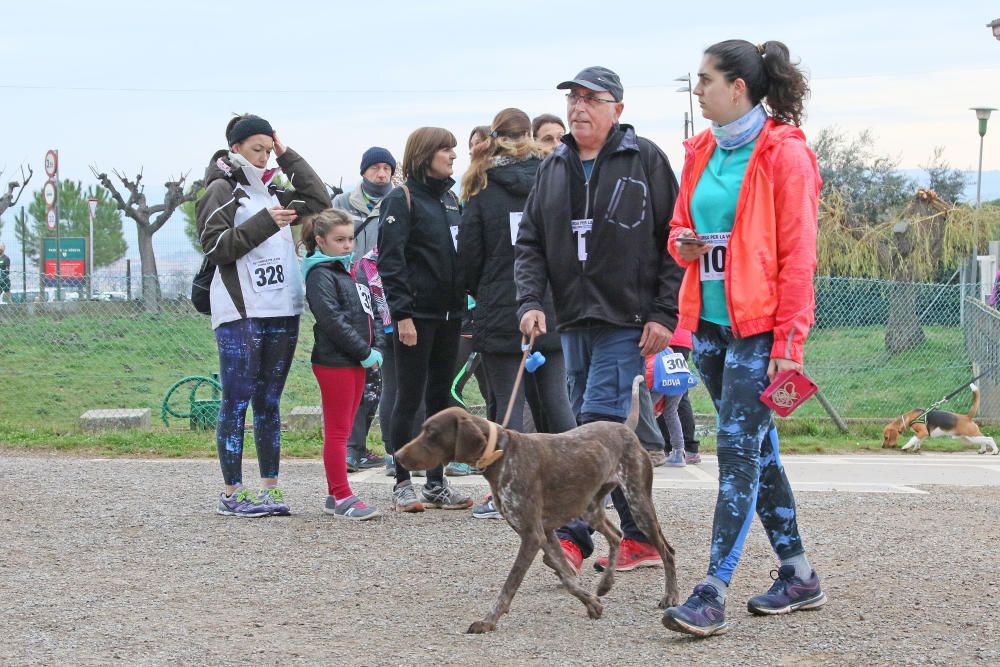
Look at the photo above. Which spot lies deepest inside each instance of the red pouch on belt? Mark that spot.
(789, 390)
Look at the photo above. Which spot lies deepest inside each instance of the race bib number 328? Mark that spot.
(267, 274)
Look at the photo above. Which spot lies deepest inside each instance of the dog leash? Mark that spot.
(525, 352)
(947, 398)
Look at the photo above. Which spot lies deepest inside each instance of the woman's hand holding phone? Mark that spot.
(690, 247)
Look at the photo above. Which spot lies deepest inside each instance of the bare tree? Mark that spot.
(148, 220)
(8, 199)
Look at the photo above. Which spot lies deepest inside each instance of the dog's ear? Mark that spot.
(470, 441)
(890, 435)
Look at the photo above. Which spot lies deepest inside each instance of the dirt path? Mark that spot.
(125, 561)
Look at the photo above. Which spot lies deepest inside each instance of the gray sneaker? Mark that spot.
(657, 457)
(243, 502)
(445, 497)
(352, 508)
(486, 510)
(692, 458)
(404, 498)
(675, 459)
(274, 498)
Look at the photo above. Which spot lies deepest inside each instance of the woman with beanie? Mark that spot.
(745, 230)
(420, 276)
(256, 297)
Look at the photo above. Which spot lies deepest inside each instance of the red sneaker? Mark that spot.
(632, 554)
(573, 554)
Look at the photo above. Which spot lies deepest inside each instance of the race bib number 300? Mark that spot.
(713, 262)
(267, 274)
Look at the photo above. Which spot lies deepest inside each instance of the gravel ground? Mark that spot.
(125, 562)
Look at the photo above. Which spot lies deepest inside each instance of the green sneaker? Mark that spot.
(274, 498)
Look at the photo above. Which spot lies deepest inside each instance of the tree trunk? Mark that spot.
(903, 331)
(147, 266)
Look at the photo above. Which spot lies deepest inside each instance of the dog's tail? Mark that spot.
(633, 416)
(975, 401)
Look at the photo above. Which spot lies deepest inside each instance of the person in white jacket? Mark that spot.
(256, 297)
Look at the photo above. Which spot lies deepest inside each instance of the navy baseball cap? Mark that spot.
(598, 79)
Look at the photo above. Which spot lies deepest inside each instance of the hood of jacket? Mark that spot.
(517, 178)
(316, 257)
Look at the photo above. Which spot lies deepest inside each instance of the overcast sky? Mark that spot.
(130, 84)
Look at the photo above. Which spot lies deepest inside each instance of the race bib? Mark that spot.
(515, 223)
(581, 228)
(267, 273)
(454, 236)
(713, 263)
(671, 375)
(365, 295)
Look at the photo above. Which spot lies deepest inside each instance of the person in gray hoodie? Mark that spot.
(362, 204)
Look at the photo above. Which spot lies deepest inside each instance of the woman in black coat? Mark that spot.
(495, 189)
(422, 283)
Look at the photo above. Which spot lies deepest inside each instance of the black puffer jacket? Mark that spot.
(416, 252)
(345, 329)
(628, 278)
(486, 255)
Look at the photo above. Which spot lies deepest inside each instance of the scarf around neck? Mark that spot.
(255, 175)
(741, 131)
(317, 257)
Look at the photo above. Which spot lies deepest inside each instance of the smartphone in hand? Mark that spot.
(690, 240)
(295, 204)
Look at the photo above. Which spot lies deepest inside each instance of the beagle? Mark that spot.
(939, 424)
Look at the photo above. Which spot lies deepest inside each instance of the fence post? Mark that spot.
(832, 411)
(128, 279)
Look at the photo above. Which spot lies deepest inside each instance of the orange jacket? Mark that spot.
(771, 260)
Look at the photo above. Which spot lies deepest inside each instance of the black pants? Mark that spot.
(549, 382)
(425, 369)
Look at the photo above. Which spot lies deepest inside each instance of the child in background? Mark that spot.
(348, 338)
(668, 379)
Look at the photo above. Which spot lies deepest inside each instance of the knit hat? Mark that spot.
(245, 128)
(374, 155)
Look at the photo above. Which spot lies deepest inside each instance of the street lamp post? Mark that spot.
(983, 114)
(687, 89)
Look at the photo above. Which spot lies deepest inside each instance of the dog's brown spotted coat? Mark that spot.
(543, 481)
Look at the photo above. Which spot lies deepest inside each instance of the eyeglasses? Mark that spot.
(589, 100)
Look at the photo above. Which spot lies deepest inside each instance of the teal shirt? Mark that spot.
(713, 210)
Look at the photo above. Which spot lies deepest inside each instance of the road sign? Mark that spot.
(50, 219)
(49, 192)
(51, 163)
(92, 206)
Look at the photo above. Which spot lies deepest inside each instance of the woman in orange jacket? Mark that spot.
(744, 228)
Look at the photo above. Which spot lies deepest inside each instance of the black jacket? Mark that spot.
(416, 252)
(346, 330)
(486, 256)
(628, 278)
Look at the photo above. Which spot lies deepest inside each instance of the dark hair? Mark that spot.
(482, 131)
(544, 119)
(320, 225)
(421, 146)
(507, 136)
(769, 73)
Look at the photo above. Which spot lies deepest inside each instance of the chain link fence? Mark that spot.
(878, 348)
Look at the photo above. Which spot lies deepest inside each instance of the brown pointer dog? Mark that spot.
(542, 481)
(939, 423)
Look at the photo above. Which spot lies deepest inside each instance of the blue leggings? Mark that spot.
(254, 358)
(750, 472)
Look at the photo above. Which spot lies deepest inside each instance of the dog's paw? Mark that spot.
(605, 584)
(671, 599)
(594, 608)
(480, 628)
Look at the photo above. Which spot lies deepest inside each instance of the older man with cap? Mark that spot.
(377, 167)
(595, 230)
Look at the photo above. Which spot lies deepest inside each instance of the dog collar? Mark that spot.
(491, 454)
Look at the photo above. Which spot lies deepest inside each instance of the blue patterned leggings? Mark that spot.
(750, 472)
(254, 358)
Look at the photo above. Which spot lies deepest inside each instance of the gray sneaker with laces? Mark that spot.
(445, 497)
(675, 459)
(352, 508)
(404, 498)
(274, 498)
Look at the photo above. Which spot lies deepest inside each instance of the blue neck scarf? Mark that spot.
(317, 257)
(741, 131)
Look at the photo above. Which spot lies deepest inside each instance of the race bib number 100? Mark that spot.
(267, 274)
(713, 262)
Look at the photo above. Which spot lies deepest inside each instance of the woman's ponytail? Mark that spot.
(769, 73)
